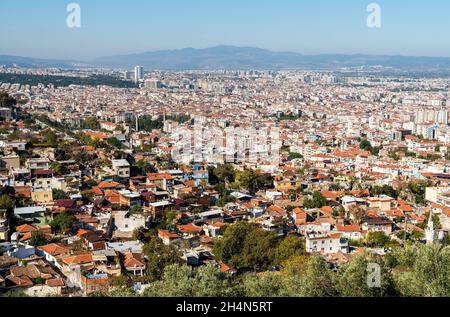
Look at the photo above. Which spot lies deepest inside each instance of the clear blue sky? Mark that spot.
(37, 28)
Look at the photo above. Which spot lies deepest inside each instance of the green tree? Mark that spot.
(114, 142)
(423, 271)
(59, 194)
(62, 222)
(6, 205)
(141, 234)
(229, 248)
(289, 247)
(183, 281)
(258, 250)
(158, 257)
(318, 279)
(316, 201)
(37, 239)
(91, 123)
(365, 145)
(262, 285)
(353, 278)
(6, 101)
(377, 239)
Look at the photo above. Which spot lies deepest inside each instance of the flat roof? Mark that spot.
(28, 210)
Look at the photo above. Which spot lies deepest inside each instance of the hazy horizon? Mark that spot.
(38, 28)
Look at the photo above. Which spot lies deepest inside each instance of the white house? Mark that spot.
(326, 243)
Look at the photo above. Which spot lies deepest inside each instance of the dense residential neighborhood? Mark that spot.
(226, 184)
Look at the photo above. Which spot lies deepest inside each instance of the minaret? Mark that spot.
(430, 233)
(137, 123)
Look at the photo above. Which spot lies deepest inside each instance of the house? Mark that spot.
(134, 263)
(129, 199)
(126, 223)
(42, 195)
(36, 280)
(93, 281)
(126, 246)
(189, 230)
(213, 229)
(200, 178)
(326, 243)
(165, 181)
(299, 216)
(121, 168)
(10, 161)
(168, 237)
(378, 225)
(31, 215)
(38, 164)
(351, 232)
(384, 203)
(4, 229)
(53, 253)
(107, 261)
(157, 209)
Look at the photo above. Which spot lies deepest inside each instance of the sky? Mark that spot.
(37, 28)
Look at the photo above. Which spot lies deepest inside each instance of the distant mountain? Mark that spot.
(28, 62)
(231, 57)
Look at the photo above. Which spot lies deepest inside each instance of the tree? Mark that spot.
(6, 202)
(62, 222)
(222, 174)
(383, 190)
(377, 239)
(365, 145)
(424, 271)
(295, 156)
(183, 281)
(59, 194)
(261, 286)
(114, 142)
(6, 101)
(6, 205)
(37, 239)
(288, 248)
(91, 123)
(258, 250)
(418, 189)
(352, 280)
(50, 138)
(137, 209)
(316, 201)
(58, 168)
(229, 248)
(317, 280)
(159, 256)
(141, 234)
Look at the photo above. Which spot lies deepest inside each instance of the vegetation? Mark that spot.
(316, 201)
(248, 247)
(159, 256)
(63, 81)
(62, 222)
(37, 239)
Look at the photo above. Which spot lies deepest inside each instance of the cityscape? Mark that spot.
(223, 172)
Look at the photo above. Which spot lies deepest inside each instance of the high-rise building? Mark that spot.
(153, 84)
(138, 73)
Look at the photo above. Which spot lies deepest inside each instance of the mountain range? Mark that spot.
(232, 57)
